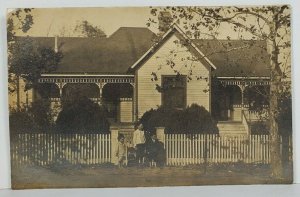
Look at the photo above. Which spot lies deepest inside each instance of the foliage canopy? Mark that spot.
(194, 119)
(81, 115)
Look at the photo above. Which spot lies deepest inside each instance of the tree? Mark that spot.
(30, 60)
(269, 23)
(27, 58)
(88, 30)
(18, 20)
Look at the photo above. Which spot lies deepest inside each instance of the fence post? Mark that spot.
(114, 144)
(160, 134)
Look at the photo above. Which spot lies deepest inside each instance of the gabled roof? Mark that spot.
(128, 46)
(112, 55)
(237, 58)
(155, 46)
(47, 42)
(105, 55)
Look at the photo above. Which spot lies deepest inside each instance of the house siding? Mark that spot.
(147, 95)
(126, 110)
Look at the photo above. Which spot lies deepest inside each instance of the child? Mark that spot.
(139, 143)
(121, 151)
(155, 151)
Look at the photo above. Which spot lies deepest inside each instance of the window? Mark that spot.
(174, 91)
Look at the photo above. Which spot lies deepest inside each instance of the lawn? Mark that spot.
(110, 176)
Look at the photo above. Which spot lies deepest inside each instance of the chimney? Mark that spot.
(164, 21)
(55, 44)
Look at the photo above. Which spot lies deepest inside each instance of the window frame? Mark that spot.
(163, 77)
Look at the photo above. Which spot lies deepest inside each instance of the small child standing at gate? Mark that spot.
(121, 151)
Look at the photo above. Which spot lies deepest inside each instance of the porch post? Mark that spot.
(242, 87)
(243, 90)
(57, 104)
(100, 93)
(60, 92)
(100, 85)
(133, 102)
(60, 86)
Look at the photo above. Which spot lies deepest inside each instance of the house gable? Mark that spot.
(183, 39)
(171, 58)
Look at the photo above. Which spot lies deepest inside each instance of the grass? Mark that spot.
(107, 175)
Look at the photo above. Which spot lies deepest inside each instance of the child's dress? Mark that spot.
(121, 153)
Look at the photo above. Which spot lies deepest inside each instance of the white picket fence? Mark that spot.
(182, 149)
(45, 149)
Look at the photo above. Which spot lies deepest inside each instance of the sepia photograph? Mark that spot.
(149, 96)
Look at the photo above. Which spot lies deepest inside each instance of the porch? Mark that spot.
(115, 93)
(236, 102)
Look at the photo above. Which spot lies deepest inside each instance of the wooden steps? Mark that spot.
(231, 128)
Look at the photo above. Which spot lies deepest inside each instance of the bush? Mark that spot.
(21, 122)
(34, 118)
(284, 119)
(194, 119)
(155, 118)
(41, 113)
(259, 128)
(198, 119)
(82, 115)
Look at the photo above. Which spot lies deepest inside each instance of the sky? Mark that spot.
(62, 21)
(58, 21)
(51, 22)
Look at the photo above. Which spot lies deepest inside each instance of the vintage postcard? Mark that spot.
(149, 96)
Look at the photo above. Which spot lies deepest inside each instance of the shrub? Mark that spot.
(82, 115)
(41, 113)
(34, 118)
(198, 119)
(284, 119)
(259, 128)
(21, 122)
(155, 118)
(194, 119)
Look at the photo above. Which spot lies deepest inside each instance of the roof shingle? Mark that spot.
(115, 54)
(236, 58)
(104, 55)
